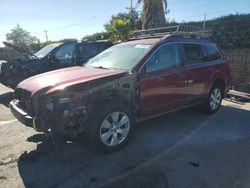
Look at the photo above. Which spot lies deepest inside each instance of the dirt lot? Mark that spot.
(183, 149)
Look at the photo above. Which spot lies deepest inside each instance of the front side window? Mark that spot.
(65, 52)
(213, 53)
(167, 56)
(193, 54)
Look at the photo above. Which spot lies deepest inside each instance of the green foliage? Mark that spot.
(122, 25)
(230, 31)
(119, 28)
(22, 38)
(68, 40)
(132, 19)
(97, 36)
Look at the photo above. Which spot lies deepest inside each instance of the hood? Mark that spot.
(62, 78)
(18, 49)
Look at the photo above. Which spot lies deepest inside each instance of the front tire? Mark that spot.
(109, 127)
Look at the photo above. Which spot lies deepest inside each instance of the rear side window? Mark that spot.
(193, 53)
(213, 53)
(165, 57)
(89, 50)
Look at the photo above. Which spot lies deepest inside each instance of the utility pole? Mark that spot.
(204, 22)
(46, 35)
(131, 13)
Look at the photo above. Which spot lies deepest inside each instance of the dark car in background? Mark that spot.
(51, 57)
(129, 82)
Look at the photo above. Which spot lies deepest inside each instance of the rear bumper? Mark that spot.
(20, 115)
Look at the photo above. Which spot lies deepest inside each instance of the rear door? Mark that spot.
(162, 82)
(88, 50)
(198, 71)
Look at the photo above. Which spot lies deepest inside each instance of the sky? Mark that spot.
(77, 18)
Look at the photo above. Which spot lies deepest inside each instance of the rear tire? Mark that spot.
(214, 100)
(109, 127)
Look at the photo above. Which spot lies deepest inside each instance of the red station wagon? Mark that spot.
(130, 82)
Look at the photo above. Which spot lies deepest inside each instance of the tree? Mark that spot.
(153, 13)
(132, 19)
(119, 29)
(97, 36)
(21, 38)
(122, 25)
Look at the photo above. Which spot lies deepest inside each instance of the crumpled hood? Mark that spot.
(18, 49)
(62, 78)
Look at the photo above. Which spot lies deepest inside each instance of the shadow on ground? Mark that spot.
(76, 165)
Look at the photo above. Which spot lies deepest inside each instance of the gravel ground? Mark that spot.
(182, 149)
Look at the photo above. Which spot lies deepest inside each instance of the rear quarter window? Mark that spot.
(212, 53)
(193, 53)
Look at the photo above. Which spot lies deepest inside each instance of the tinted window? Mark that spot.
(165, 57)
(89, 50)
(193, 53)
(212, 53)
(66, 52)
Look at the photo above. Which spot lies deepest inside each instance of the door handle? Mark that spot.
(189, 82)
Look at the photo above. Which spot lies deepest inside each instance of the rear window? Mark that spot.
(213, 53)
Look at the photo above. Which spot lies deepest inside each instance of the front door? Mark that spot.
(162, 81)
(64, 56)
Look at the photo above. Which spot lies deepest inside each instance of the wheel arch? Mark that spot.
(113, 96)
(221, 82)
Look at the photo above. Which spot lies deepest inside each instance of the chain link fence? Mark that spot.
(239, 60)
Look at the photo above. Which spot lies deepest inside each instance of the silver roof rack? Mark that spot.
(184, 30)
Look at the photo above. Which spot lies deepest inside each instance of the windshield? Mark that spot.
(46, 50)
(123, 56)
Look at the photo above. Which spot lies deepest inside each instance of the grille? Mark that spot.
(24, 97)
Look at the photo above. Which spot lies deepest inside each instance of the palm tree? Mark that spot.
(153, 14)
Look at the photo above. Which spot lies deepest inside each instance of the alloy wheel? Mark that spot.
(115, 129)
(215, 99)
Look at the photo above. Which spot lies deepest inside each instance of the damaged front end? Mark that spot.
(60, 115)
(13, 72)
